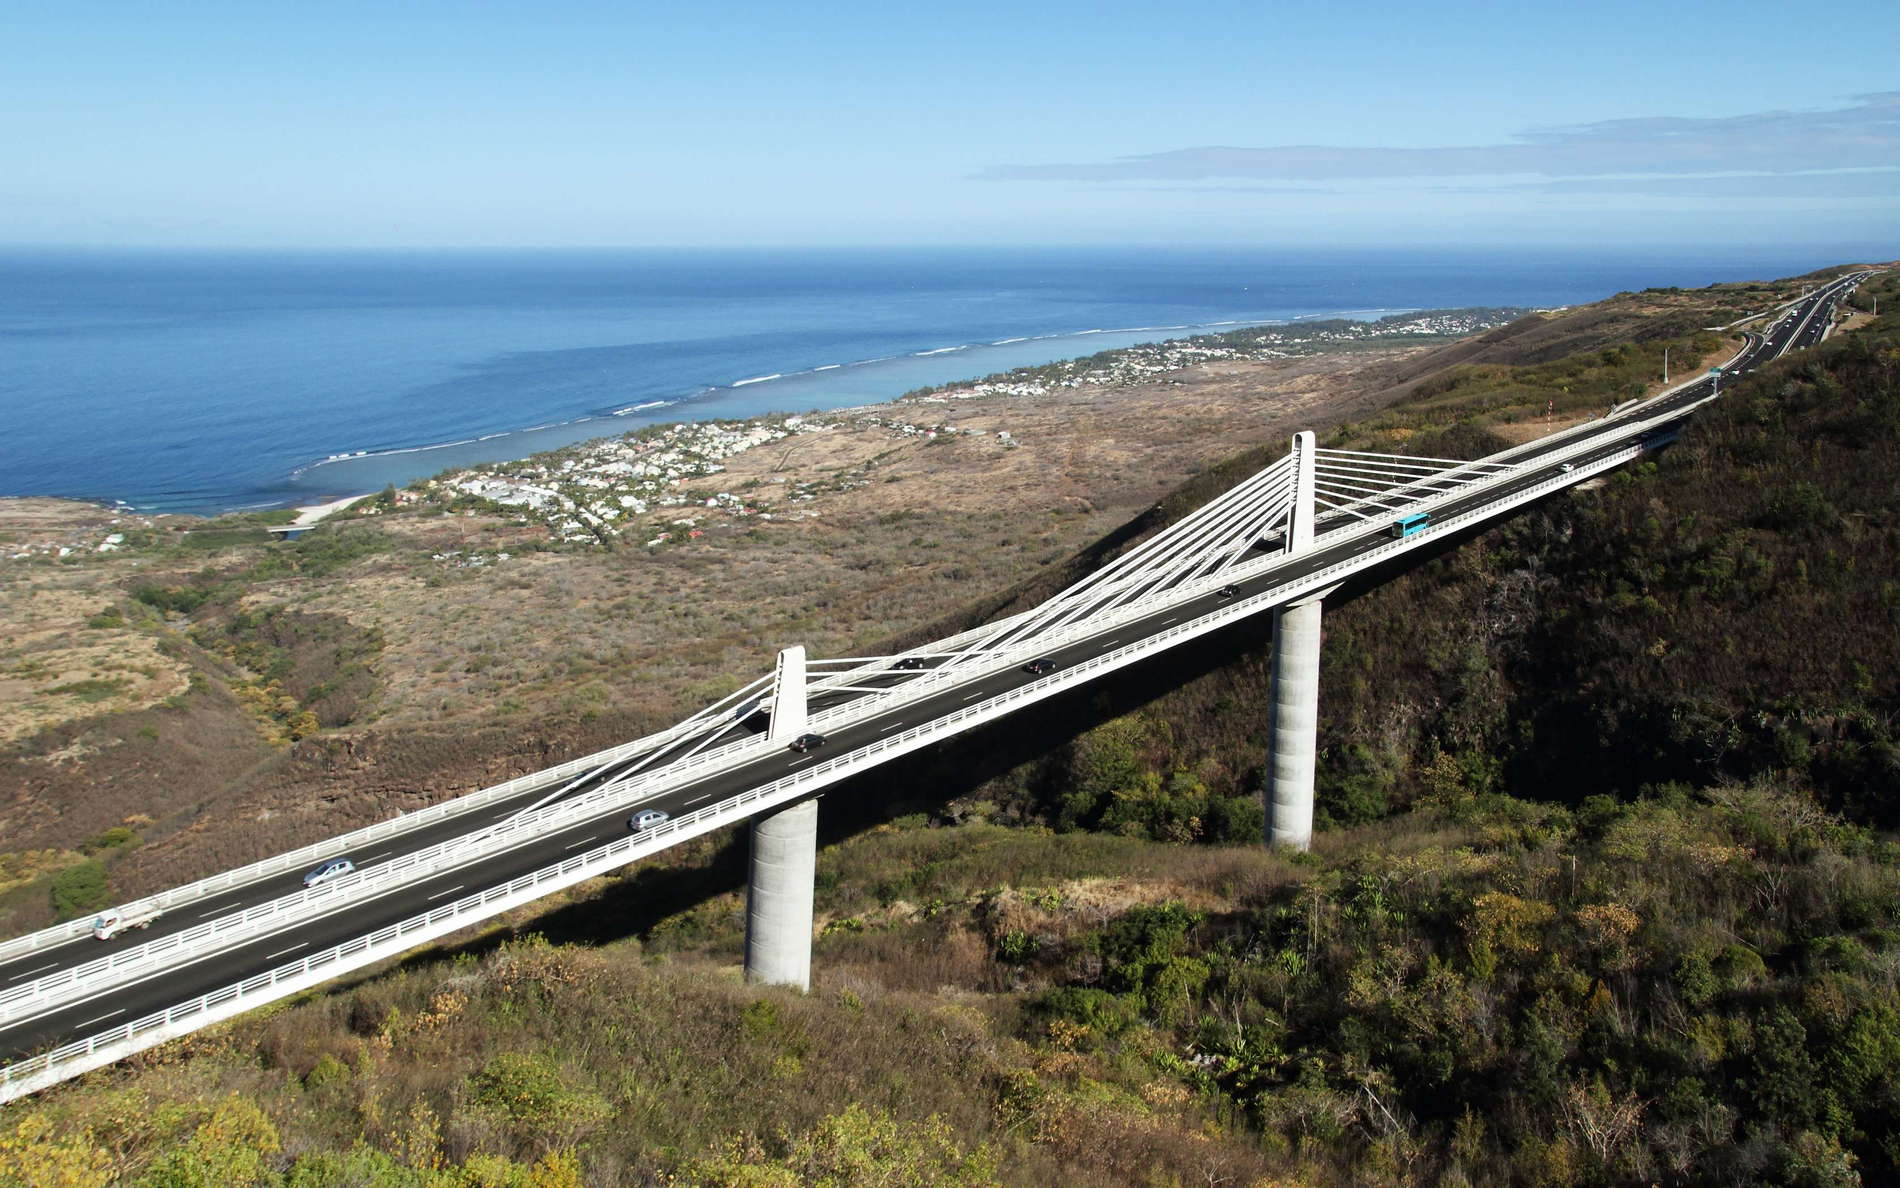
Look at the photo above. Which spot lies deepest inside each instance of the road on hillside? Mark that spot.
(1802, 324)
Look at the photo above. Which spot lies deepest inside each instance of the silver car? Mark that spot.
(641, 822)
(335, 868)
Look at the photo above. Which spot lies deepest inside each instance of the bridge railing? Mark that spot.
(123, 965)
(307, 856)
(737, 807)
(28, 1075)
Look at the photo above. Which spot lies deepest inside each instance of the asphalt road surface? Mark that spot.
(1801, 326)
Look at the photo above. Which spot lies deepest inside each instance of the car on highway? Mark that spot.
(1226, 592)
(806, 742)
(1040, 665)
(642, 821)
(1567, 467)
(335, 868)
(910, 662)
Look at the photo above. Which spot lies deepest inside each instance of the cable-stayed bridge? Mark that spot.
(1276, 543)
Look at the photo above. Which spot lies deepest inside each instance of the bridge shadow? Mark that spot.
(635, 903)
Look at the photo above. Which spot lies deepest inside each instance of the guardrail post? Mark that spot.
(1296, 632)
(778, 898)
(788, 696)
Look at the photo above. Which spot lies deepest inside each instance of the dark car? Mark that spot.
(1226, 592)
(910, 662)
(1039, 666)
(807, 742)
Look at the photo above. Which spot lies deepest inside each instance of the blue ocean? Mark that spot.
(209, 381)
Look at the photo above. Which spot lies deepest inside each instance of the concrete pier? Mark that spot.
(1296, 632)
(778, 899)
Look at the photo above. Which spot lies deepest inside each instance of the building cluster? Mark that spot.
(459, 559)
(1150, 362)
(109, 537)
(613, 488)
(592, 491)
(599, 491)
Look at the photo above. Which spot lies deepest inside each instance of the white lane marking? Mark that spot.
(379, 857)
(972, 696)
(440, 894)
(29, 973)
(697, 799)
(100, 1019)
(581, 842)
(891, 727)
(213, 912)
(291, 949)
(804, 761)
(1165, 622)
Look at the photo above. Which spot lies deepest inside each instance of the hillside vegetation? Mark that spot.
(224, 696)
(1606, 896)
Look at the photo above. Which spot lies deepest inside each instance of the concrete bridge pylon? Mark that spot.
(784, 856)
(1295, 712)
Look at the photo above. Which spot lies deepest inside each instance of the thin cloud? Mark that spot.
(1227, 189)
(1865, 135)
(1873, 183)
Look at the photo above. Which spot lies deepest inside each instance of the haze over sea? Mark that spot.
(208, 381)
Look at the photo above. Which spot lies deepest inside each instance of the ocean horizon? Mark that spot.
(209, 381)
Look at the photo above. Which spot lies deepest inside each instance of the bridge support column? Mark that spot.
(778, 899)
(1295, 680)
(1296, 631)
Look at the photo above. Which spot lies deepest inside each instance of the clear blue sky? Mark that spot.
(332, 122)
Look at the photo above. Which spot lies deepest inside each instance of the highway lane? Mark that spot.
(180, 983)
(85, 948)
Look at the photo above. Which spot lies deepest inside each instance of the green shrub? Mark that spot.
(112, 839)
(531, 1092)
(1016, 947)
(79, 889)
(180, 600)
(1105, 1014)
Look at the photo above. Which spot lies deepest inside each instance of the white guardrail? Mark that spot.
(26, 1076)
(36, 1072)
(130, 964)
(308, 856)
(125, 965)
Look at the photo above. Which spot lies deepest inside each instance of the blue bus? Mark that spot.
(1410, 525)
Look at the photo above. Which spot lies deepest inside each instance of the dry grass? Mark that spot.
(57, 667)
(489, 672)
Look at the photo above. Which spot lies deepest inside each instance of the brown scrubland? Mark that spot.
(1605, 893)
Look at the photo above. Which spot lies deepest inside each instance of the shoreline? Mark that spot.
(645, 485)
(789, 380)
(1302, 333)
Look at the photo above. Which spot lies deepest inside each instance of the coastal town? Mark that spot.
(649, 488)
(661, 485)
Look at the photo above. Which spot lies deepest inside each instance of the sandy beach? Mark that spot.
(306, 516)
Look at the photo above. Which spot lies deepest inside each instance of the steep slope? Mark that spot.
(1580, 919)
(1725, 611)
